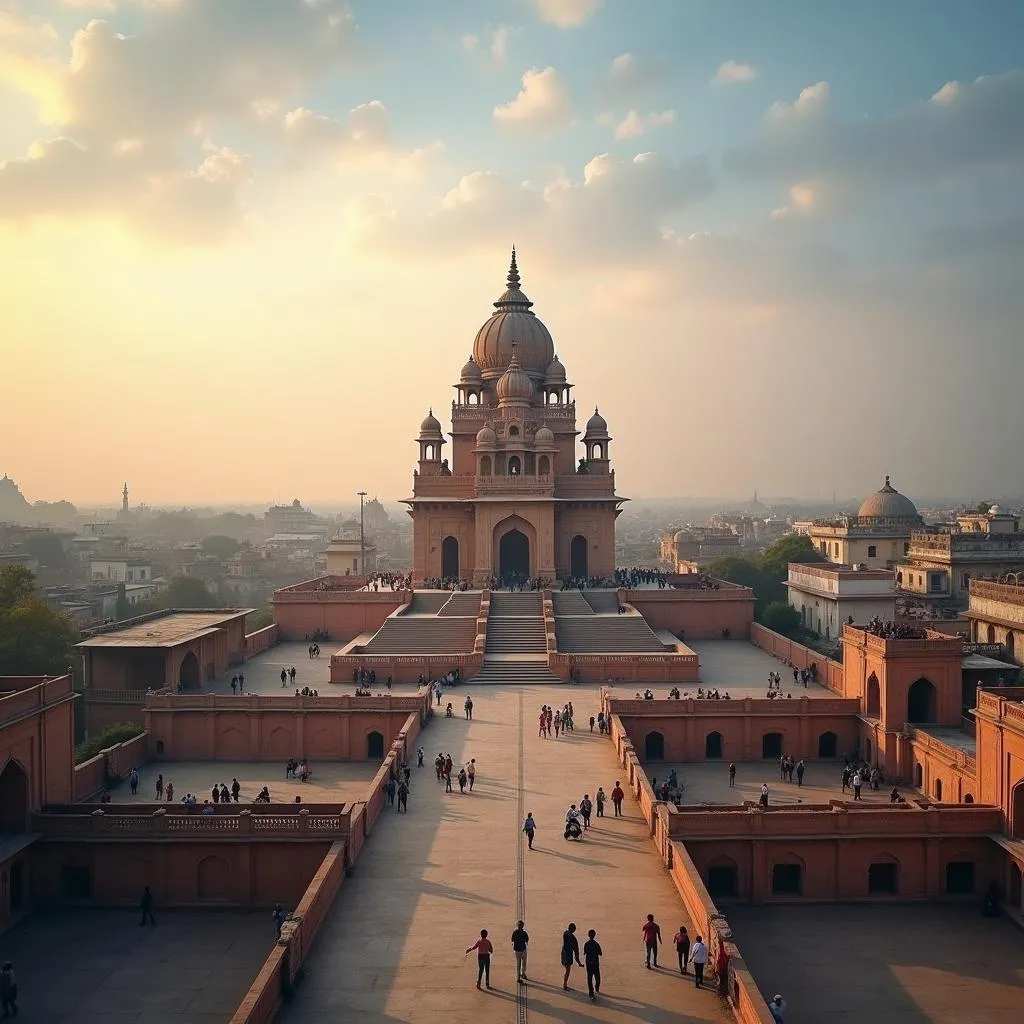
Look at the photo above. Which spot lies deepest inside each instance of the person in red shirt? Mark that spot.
(617, 796)
(652, 936)
(484, 949)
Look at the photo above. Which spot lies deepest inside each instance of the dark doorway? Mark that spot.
(722, 880)
(1016, 810)
(787, 880)
(713, 745)
(771, 744)
(874, 702)
(450, 558)
(13, 798)
(654, 747)
(188, 674)
(578, 557)
(374, 747)
(921, 702)
(827, 744)
(918, 774)
(75, 882)
(882, 879)
(17, 886)
(514, 555)
(1015, 886)
(960, 878)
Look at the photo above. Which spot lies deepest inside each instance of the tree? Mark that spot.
(984, 508)
(782, 618)
(181, 592)
(35, 639)
(259, 619)
(794, 547)
(220, 546)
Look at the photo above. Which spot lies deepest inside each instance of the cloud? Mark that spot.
(802, 198)
(542, 105)
(566, 13)
(629, 77)
(415, 165)
(26, 35)
(731, 72)
(963, 129)
(633, 125)
(494, 47)
(365, 130)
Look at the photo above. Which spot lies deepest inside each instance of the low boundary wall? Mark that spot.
(830, 673)
(260, 641)
(109, 766)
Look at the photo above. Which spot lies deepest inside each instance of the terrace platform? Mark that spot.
(742, 669)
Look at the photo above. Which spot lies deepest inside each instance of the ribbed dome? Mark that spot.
(596, 425)
(470, 373)
(888, 503)
(544, 438)
(555, 372)
(431, 425)
(486, 437)
(513, 323)
(514, 387)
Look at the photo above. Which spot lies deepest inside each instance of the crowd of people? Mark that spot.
(552, 720)
(389, 580)
(451, 583)
(638, 574)
(889, 630)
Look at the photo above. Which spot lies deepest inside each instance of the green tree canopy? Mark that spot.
(220, 546)
(259, 619)
(794, 547)
(782, 618)
(35, 639)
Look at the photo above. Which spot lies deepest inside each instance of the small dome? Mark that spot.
(556, 372)
(514, 386)
(471, 373)
(596, 425)
(888, 503)
(682, 536)
(544, 437)
(486, 437)
(431, 425)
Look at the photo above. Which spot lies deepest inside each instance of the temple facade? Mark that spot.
(514, 501)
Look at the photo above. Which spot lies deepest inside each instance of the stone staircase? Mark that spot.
(463, 602)
(604, 602)
(427, 602)
(570, 602)
(424, 634)
(519, 672)
(513, 603)
(606, 634)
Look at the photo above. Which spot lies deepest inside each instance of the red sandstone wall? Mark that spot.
(403, 668)
(260, 641)
(696, 614)
(634, 668)
(830, 673)
(344, 615)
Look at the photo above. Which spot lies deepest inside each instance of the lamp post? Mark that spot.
(362, 536)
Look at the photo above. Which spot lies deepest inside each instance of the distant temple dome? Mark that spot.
(471, 372)
(555, 373)
(486, 437)
(544, 437)
(513, 323)
(431, 425)
(596, 425)
(888, 503)
(514, 386)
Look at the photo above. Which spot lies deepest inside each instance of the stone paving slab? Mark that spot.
(87, 966)
(742, 669)
(392, 948)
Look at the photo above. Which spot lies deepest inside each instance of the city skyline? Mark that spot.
(254, 269)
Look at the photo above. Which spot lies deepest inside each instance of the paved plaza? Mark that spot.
(742, 669)
(392, 948)
(332, 781)
(917, 964)
(100, 967)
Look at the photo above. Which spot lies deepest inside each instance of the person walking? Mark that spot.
(520, 940)
(462, 780)
(617, 796)
(160, 786)
(279, 917)
(652, 936)
(530, 828)
(146, 906)
(390, 788)
(133, 781)
(682, 943)
(284, 677)
(471, 772)
(778, 1008)
(570, 953)
(800, 769)
(599, 799)
(592, 954)
(8, 990)
(857, 781)
(484, 949)
(586, 809)
(403, 797)
(732, 775)
(699, 959)
(763, 800)
(468, 708)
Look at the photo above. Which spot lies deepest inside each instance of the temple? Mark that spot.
(514, 503)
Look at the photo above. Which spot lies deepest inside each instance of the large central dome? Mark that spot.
(513, 323)
(888, 503)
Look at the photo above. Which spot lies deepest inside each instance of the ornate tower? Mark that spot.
(514, 503)
(124, 497)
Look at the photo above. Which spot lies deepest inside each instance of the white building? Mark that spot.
(121, 569)
(829, 595)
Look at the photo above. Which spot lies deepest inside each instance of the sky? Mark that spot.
(246, 244)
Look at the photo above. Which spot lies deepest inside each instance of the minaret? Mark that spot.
(124, 497)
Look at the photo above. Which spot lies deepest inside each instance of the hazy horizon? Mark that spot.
(779, 248)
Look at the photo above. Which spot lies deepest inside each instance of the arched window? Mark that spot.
(872, 551)
(918, 774)
(771, 744)
(874, 697)
(13, 798)
(921, 702)
(713, 745)
(938, 789)
(990, 635)
(968, 799)
(515, 466)
(543, 465)
(828, 744)
(787, 879)
(654, 747)
(374, 746)
(485, 465)
(513, 431)
(1011, 645)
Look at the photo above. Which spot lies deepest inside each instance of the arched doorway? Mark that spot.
(1015, 894)
(374, 746)
(1011, 645)
(713, 745)
(654, 747)
(1017, 811)
(874, 701)
(723, 876)
(828, 744)
(867, 751)
(450, 558)
(13, 798)
(188, 674)
(990, 635)
(543, 465)
(514, 555)
(578, 557)
(771, 744)
(515, 466)
(921, 702)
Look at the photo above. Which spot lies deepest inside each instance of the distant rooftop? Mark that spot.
(164, 630)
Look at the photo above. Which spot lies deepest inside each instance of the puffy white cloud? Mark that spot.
(365, 130)
(733, 72)
(811, 100)
(415, 165)
(26, 35)
(566, 13)
(629, 77)
(633, 125)
(542, 105)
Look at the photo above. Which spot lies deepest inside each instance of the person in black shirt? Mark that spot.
(592, 954)
(570, 952)
(520, 940)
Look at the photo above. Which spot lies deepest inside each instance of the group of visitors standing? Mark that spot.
(466, 775)
(554, 720)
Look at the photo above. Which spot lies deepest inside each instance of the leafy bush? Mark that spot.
(782, 618)
(110, 736)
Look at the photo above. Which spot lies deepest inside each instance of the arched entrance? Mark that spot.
(514, 555)
(1011, 645)
(374, 747)
(13, 798)
(578, 557)
(921, 702)
(450, 558)
(1017, 811)
(654, 747)
(713, 745)
(1015, 900)
(874, 701)
(990, 635)
(827, 744)
(188, 674)
(771, 744)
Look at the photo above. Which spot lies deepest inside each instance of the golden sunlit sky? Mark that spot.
(245, 244)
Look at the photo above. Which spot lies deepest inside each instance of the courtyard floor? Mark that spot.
(742, 669)
(917, 964)
(93, 966)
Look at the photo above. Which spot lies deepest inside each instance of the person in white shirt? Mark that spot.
(778, 1008)
(572, 814)
(857, 783)
(699, 958)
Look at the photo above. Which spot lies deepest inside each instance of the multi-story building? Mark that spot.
(829, 596)
(121, 569)
(996, 613)
(293, 518)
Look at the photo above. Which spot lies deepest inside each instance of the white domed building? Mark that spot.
(877, 537)
(516, 501)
